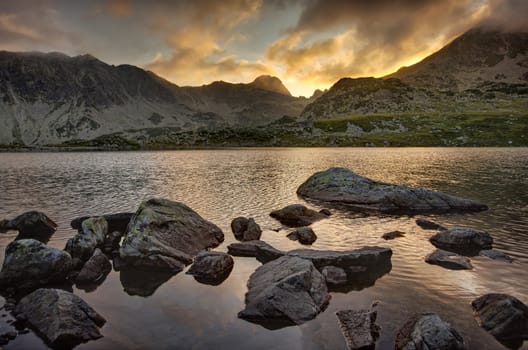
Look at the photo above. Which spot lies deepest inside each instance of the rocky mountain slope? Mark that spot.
(479, 71)
(53, 98)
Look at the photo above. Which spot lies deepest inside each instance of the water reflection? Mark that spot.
(142, 282)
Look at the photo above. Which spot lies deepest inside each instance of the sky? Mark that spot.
(308, 44)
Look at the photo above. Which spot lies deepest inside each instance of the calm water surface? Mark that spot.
(223, 184)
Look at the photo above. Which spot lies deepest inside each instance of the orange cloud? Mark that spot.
(119, 8)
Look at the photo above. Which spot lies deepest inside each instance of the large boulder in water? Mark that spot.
(305, 235)
(245, 229)
(343, 186)
(504, 316)
(211, 267)
(32, 223)
(63, 319)
(449, 260)
(287, 289)
(462, 239)
(29, 264)
(92, 235)
(116, 222)
(297, 215)
(428, 331)
(166, 234)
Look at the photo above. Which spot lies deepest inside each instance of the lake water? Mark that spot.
(223, 184)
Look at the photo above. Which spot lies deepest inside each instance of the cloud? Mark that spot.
(507, 15)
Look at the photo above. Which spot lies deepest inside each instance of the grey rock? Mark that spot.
(288, 289)
(32, 223)
(359, 328)
(496, 255)
(63, 319)
(297, 215)
(448, 260)
(29, 264)
(166, 234)
(428, 331)
(92, 235)
(462, 239)
(211, 267)
(343, 186)
(116, 222)
(111, 241)
(95, 269)
(429, 225)
(245, 229)
(334, 276)
(305, 235)
(257, 249)
(392, 235)
(4, 225)
(503, 316)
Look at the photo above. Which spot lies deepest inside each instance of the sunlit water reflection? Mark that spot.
(223, 184)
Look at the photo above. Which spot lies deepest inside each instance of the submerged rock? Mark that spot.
(95, 269)
(211, 267)
(63, 319)
(29, 264)
(392, 235)
(334, 276)
(32, 223)
(448, 260)
(462, 239)
(297, 215)
(245, 229)
(429, 225)
(116, 222)
(305, 235)
(165, 234)
(359, 328)
(288, 289)
(341, 185)
(428, 331)
(496, 255)
(92, 235)
(257, 249)
(504, 316)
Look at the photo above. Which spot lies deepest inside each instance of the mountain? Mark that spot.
(51, 98)
(479, 71)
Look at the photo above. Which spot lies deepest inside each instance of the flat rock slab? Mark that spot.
(245, 229)
(449, 260)
(341, 185)
(211, 267)
(305, 235)
(63, 319)
(297, 215)
(462, 239)
(256, 249)
(116, 222)
(29, 264)
(504, 316)
(32, 223)
(286, 289)
(165, 234)
(428, 224)
(392, 235)
(496, 255)
(359, 328)
(428, 331)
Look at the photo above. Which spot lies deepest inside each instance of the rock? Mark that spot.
(305, 235)
(32, 223)
(116, 222)
(257, 249)
(4, 225)
(245, 229)
(503, 316)
(448, 260)
(392, 235)
(334, 276)
(95, 269)
(164, 234)
(211, 267)
(462, 239)
(429, 225)
(297, 215)
(112, 241)
(29, 264)
(288, 289)
(359, 328)
(63, 319)
(92, 235)
(5, 337)
(343, 186)
(496, 255)
(325, 211)
(428, 331)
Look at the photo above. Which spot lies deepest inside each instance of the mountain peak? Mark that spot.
(270, 83)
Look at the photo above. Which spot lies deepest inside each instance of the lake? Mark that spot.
(220, 185)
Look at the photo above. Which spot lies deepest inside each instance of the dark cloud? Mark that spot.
(507, 15)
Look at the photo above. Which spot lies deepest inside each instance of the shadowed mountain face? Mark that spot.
(478, 71)
(53, 98)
